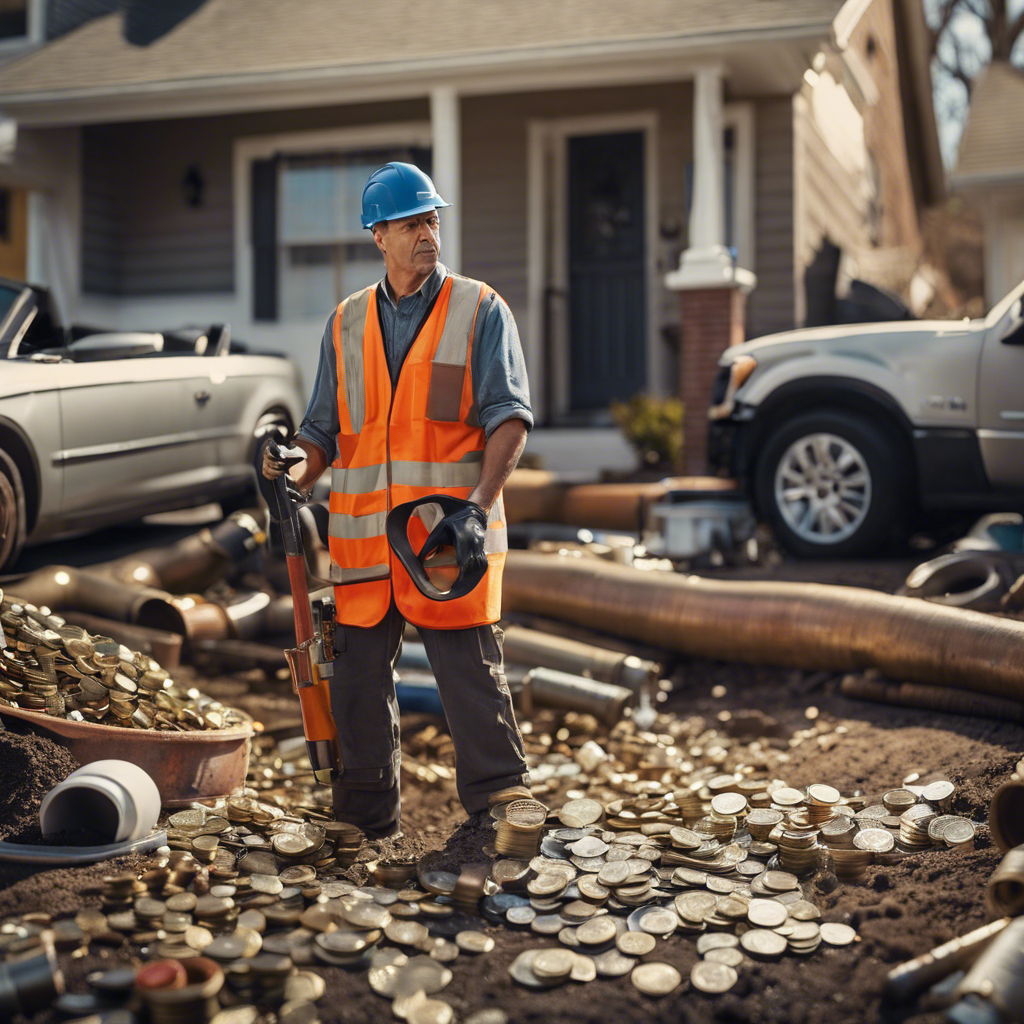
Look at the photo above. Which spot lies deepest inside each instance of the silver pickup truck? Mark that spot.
(842, 436)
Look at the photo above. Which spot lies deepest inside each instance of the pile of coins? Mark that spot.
(57, 669)
(519, 827)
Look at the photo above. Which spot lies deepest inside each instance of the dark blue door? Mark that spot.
(607, 304)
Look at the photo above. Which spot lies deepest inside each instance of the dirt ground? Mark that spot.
(899, 910)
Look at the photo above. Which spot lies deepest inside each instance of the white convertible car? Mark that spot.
(99, 427)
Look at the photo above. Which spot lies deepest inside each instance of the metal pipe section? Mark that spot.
(1005, 891)
(910, 979)
(796, 625)
(545, 687)
(1006, 815)
(196, 561)
(531, 647)
(935, 698)
(997, 976)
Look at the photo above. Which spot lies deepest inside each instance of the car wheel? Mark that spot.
(12, 512)
(831, 485)
(269, 423)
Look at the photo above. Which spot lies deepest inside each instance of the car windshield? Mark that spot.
(1001, 308)
(8, 296)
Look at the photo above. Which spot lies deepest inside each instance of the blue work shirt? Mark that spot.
(500, 386)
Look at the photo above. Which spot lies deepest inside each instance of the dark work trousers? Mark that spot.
(468, 667)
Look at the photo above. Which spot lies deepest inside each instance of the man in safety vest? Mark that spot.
(421, 389)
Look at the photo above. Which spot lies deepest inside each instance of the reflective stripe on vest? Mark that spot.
(421, 438)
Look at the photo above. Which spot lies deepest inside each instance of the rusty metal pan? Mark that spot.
(186, 766)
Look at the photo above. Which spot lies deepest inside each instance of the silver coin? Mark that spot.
(655, 979)
(474, 942)
(612, 964)
(713, 978)
(761, 942)
(727, 955)
(716, 940)
(596, 932)
(837, 934)
(635, 943)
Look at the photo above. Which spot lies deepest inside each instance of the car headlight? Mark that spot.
(739, 373)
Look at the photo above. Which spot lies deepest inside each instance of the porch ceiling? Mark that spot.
(251, 54)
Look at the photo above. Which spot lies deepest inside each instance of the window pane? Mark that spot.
(315, 278)
(13, 19)
(321, 195)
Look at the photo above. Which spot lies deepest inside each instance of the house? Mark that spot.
(990, 172)
(643, 182)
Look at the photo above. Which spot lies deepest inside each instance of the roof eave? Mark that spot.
(611, 62)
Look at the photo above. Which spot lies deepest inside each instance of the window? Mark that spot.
(324, 252)
(310, 249)
(13, 19)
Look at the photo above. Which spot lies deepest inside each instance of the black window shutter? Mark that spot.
(264, 239)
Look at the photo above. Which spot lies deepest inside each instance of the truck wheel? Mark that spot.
(12, 512)
(830, 485)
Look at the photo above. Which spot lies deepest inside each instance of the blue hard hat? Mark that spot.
(398, 190)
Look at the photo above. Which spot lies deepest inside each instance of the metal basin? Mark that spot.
(186, 766)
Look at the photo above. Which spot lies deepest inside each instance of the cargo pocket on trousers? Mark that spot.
(366, 719)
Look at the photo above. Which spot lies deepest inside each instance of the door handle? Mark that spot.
(202, 397)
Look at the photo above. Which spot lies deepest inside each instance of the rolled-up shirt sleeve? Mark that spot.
(320, 424)
(500, 385)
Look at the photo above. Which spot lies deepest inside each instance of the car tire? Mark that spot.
(269, 423)
(832, 485)
(12, 512)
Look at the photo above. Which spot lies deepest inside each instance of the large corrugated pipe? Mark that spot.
(798, 625)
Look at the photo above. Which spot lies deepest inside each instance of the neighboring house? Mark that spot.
(990, 171)
(602, 158)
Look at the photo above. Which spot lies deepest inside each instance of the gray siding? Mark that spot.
(494, 174)
(139, 236)
(770, 307)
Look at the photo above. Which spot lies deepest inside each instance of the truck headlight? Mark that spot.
(739, 373)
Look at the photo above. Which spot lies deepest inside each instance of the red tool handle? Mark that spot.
(314, 701)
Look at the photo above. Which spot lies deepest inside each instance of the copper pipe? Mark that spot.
(935, 698)
(533, 495)
(797, 625)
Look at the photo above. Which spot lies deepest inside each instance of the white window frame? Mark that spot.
(262, 147)
(35, 29)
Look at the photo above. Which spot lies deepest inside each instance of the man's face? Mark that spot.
(411, 245)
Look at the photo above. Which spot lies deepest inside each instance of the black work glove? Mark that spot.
(466, 531)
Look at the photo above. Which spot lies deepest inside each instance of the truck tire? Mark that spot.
(831, 485)
(12, 512)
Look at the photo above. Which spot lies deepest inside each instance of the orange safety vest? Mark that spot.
(423, 438)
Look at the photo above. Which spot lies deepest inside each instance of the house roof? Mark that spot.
(992, 146)
(233, 39)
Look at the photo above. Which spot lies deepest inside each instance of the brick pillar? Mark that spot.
(712, 320)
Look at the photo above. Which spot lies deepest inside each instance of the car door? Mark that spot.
(139, 433)
(1001, 397)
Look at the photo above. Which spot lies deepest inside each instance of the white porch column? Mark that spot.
(707, 213)
(446, 132)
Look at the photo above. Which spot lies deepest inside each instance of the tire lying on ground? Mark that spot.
(832, 484)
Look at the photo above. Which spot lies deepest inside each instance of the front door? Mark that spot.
(607, 290)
